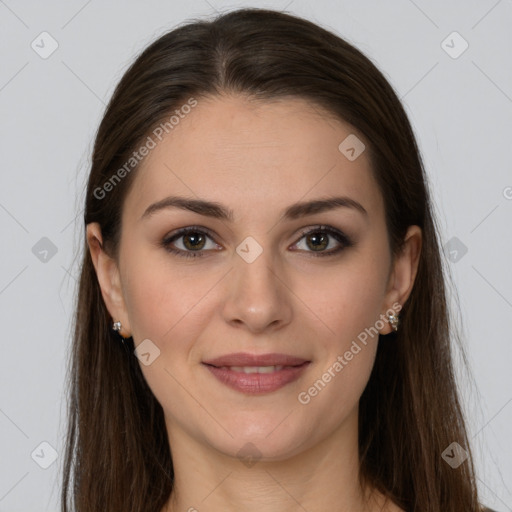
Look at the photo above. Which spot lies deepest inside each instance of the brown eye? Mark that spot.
(193, 244)
(193, 240)
(317, 240)
(322, 237)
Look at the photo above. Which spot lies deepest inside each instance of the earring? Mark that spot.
(393, 320)
(116, 327)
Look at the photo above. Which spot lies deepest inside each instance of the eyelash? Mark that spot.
(336, 234)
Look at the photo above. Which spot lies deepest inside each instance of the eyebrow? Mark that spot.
(217, 211)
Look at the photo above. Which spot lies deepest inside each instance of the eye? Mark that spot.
(195, 241)
(318, 239)
(193, 244)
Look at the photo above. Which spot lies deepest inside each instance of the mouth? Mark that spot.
(257, 374)
(254, 369)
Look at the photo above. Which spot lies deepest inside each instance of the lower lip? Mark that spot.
(258, 383)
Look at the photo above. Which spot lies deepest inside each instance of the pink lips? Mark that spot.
(289, 368)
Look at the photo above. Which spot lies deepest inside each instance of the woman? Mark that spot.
(261, 320)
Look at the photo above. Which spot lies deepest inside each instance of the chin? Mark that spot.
(261, 442)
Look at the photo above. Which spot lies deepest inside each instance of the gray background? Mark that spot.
(460, 108)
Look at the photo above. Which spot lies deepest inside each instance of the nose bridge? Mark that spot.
(254, 266)
(257, 295)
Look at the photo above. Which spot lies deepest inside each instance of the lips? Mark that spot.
(256, 374)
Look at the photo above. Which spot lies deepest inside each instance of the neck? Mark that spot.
(322, 477)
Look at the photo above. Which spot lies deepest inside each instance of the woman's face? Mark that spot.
(252, 281)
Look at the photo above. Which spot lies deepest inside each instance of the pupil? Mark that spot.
(196, 240)
(318, 240)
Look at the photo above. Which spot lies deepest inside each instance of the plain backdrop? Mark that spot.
(459, 100)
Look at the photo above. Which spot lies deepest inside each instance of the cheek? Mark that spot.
(335, 390)
(173, 309)
(350, 306)
(350, 299)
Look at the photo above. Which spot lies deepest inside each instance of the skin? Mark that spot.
(257, 159)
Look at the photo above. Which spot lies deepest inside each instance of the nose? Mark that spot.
(258, 296)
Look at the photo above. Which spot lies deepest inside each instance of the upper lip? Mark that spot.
(245, 359)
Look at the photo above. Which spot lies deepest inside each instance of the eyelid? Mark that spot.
(171, 237)
(341, 237)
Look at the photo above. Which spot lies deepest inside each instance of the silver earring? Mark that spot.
(116, 326)
(393, 320)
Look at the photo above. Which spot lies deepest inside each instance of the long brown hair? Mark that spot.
(117, 453)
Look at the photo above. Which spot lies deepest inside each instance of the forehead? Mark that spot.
(254, 154)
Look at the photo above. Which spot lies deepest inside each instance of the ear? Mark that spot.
(109, 280)
(403, 274)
